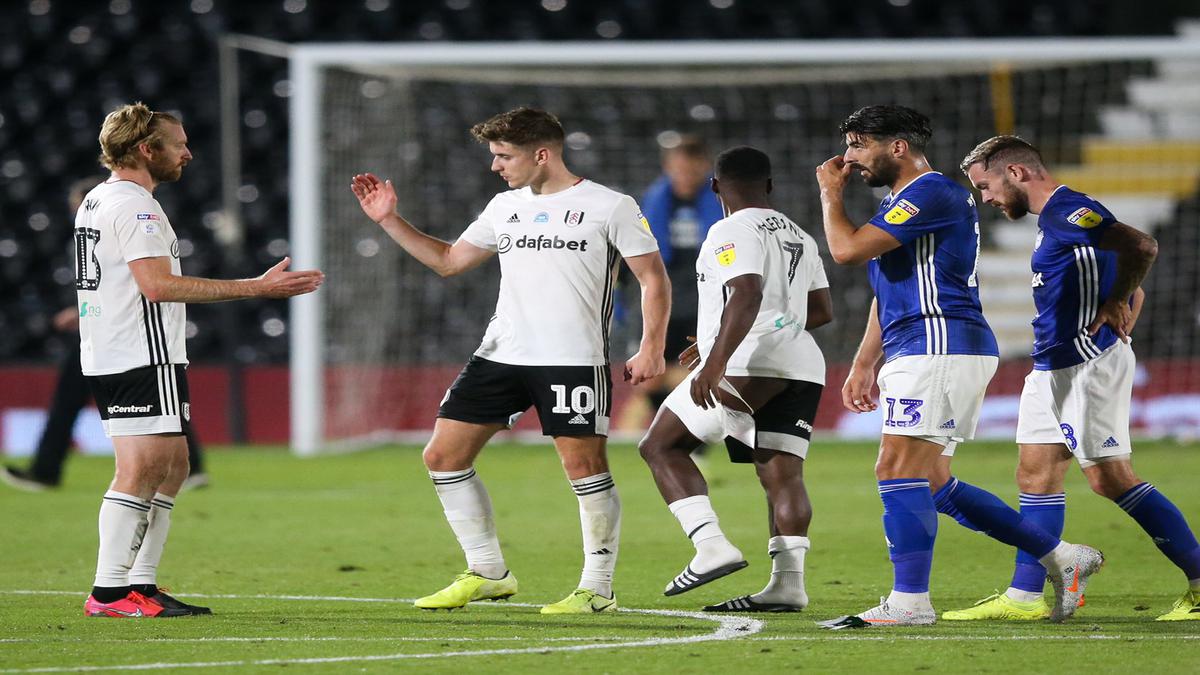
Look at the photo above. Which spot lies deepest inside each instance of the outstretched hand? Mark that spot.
(376, 197)
(278, 282)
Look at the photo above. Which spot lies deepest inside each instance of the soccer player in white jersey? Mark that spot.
(131, 328)
(755, 383)
(922, 246)
(560, 239)
(1086, 265)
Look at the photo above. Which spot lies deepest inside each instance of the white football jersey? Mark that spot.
(119, 329)
(767, 243)
(559, 255)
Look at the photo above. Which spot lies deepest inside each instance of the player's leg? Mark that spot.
(142, 463)
(1114, 478)
(586, 466)
(573, 404)
(70, 395)
(485, 398)
(783, 429)
(1040, 472)
(679, 428)
(143, 576)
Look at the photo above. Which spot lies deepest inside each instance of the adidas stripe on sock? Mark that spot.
(600, 521)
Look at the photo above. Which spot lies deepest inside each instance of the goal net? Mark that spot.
(375, 349)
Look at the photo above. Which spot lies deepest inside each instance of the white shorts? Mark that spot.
(1085, 407)
(714, 424)
(936, 398)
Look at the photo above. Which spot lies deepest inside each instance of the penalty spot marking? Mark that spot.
(728, 628)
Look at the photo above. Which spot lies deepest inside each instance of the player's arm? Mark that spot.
(651, 275)
(820, 308)
(378, 200)
(1136, 252)
(848, 245)
(741, 309)
(856, 392)
(156, 281)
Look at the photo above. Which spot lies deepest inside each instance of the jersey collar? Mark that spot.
(892, 195)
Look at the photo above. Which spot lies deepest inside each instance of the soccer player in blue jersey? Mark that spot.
(1086, 265)
(922, 247)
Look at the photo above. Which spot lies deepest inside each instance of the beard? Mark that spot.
(163, 170)
(1016, 203)
(881, 173)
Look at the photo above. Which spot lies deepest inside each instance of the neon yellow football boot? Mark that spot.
(582, 601)
(468, 587)
(1000, 607)
(1186, 608)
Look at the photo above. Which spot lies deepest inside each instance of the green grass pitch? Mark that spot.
(367, 528)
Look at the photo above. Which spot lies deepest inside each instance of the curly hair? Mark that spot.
(890, 121)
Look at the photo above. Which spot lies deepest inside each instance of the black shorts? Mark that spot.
(784, 423)
(678, 332)
(143, 401)
(570, 400)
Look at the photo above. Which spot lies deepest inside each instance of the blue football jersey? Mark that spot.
(1071, 279)
(927, 289)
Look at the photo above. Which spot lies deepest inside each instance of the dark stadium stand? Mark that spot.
(63, 65)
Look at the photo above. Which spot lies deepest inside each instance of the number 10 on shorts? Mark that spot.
(583, 399)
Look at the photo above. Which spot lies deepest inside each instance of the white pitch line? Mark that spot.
(728, 628)
(327, 638)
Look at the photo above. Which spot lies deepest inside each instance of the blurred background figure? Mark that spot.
(680, 208)
(71, 394)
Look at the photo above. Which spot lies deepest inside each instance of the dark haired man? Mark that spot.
(560, 238)
(1086, 265)
(923, 248)
(756, 380)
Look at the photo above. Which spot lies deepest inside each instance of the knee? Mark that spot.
(651, 449)
(1110, 486)
(439, 459)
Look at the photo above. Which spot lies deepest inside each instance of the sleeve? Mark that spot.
(140, 231)
(923, 208)
(629, 230)
(1077, 219)
(736, 250)
(819, 280)
(482, 232)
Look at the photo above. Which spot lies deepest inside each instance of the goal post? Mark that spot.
(383, 334)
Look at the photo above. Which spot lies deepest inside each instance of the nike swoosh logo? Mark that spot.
(134, 614)
(1074, 582)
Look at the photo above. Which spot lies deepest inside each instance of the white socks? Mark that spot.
(123, 521)
(699, 522)
(469, 511)
(145, 566)
(600, 519)
(1022, 596)
(1058, 558)
(787, 572)
(909, 601)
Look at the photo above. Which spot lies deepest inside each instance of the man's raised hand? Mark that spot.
(376, 197)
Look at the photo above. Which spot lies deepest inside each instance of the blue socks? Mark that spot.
(1047, 512)
(997, 519)
(910, 524)
(1165, 524)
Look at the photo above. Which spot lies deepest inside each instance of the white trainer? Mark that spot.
(883, 615)
(1069, 585)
